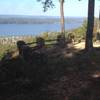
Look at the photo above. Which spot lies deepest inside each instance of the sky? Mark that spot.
(72, 8)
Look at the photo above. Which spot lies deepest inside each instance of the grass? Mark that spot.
(5, 48)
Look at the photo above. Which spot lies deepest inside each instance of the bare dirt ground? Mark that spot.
(81, 45)
(69, 74)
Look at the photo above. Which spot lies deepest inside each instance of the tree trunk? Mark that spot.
(62, 17)
(90, 25)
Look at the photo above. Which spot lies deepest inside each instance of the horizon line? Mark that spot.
(38, 15)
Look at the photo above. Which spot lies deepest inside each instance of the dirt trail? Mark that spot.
(82, 45)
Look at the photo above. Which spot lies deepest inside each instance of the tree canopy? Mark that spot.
(47, 4)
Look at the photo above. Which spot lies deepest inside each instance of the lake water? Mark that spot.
(34, 29)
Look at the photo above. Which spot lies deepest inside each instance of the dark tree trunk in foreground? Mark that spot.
(90, 25)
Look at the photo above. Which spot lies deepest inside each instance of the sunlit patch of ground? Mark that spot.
(81, 45)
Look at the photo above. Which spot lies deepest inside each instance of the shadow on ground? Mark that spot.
(68, 74)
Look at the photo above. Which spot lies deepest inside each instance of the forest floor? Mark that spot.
(69, 74)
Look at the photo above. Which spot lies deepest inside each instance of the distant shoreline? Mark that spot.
(13, 19)
(39, 16)
(27, 26)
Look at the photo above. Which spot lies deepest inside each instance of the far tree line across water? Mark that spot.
(36, 20)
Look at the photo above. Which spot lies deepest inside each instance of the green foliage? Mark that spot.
(30, 39)
(5, 48)
(46, 4)
(45, 35)
(50, 35)
(79, 33)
